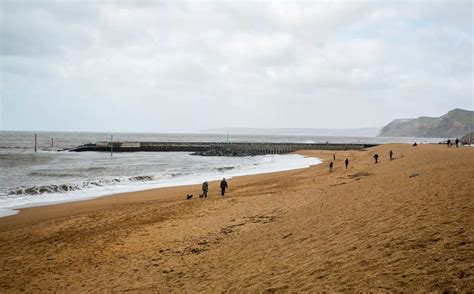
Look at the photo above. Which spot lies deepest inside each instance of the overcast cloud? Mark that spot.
(157, 66)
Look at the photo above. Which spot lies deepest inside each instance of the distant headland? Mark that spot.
(455, 123)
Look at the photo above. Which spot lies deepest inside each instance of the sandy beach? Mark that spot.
(401, 225)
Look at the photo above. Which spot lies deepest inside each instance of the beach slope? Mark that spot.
(401, 225)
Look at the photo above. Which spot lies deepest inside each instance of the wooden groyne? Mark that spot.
(216, 149)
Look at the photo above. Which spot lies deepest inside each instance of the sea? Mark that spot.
(54, 175)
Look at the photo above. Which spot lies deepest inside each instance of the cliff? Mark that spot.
(455, 123)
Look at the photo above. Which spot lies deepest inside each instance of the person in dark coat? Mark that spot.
(223, 186)
(330, 167)
(346, 162)
(457, 142)
(376, 156)
(391, 154)
(448, 143)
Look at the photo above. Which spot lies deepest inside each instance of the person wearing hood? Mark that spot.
(224, 186)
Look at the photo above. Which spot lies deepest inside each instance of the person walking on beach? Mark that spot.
(330, 167)
(205, 189)
(334, 157)
(448, 143)
(346, 162)
(457, 142)
(391, 154)
(223, 186)
(376, 156)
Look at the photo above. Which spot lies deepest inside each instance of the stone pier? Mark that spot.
(216, 149)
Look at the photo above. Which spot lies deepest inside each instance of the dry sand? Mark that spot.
(402, 225)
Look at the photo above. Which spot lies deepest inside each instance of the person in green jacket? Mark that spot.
(205, 189)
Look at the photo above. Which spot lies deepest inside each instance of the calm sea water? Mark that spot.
(48, 176)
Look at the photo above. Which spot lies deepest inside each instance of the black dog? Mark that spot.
(188, 197)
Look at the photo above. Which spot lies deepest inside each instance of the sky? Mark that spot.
(173, 66)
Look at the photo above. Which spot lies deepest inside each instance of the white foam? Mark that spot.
(6, 212)
(261, 164)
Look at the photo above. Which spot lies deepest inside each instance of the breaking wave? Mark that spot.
(62, 188)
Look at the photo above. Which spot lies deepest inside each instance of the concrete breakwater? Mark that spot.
(215, 149)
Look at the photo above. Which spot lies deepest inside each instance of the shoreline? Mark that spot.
(402, 225)
(26, 215)
(157, 184)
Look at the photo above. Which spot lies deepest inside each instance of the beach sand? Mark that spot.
(402, 225)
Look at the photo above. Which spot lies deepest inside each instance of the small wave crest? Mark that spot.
(225, 168)
(63, 188)
(95, 168)
(141, 178)
(14, 147)
(49, 174)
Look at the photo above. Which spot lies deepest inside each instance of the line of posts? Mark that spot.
(36, 143)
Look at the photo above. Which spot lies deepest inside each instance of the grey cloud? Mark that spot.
(164, 66)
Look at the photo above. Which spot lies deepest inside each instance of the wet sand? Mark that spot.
(400, 225)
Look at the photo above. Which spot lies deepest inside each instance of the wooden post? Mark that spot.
(469, 136)
(36, 141)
